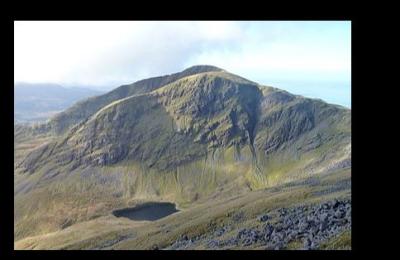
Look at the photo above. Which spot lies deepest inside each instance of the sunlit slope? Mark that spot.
(207, 218)
(200, 137)
(82, 110)
(194, 116)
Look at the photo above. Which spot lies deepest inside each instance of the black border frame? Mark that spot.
(6, 218)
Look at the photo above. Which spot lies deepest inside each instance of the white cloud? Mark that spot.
(107, 52)
(290, 52)
(114, 53)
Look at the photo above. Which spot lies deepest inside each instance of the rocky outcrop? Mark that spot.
(310, 225)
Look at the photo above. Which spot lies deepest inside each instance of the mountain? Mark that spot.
(81, 111)
(38, 102)
(193, 137)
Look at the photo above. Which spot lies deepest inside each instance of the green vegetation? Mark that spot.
(82, 110)
(200, 218)
(342, 242)
(205, 139)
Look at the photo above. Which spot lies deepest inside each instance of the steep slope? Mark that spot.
(84, 109)
(190, 117)
(165, 128)
(202, 136)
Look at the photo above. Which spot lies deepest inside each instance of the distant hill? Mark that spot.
(38, 102)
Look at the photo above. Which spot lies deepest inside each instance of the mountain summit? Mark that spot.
(82, 110)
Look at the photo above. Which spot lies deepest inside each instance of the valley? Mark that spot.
(212, 223)
(39, 101)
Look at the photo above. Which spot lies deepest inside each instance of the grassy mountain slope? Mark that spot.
(199, 136)
(207, 218)
(84, 109)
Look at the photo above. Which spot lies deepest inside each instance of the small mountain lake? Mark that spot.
(147, 211)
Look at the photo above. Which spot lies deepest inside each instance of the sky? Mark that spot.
(310, 58)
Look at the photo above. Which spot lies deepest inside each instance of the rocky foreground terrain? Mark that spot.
(310, 225)
(310, 214)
